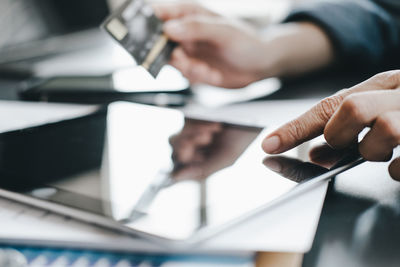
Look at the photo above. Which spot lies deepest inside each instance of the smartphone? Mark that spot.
(133, 84)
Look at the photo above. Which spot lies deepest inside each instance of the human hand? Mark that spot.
(191, 144)
(192, 149)
(374, 103)
(202, 148)
(213, 49)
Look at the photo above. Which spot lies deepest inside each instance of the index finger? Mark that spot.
(306, 127)
(169, 11)
(312, 123)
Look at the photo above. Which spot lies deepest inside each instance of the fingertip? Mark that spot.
(272, 144)
(174, 29)
(394, 169)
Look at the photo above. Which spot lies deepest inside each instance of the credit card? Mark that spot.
(135, 26)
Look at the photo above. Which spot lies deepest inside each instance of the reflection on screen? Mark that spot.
(151, 169)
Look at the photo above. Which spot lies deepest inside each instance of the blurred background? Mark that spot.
(25, 21)
(46, 38)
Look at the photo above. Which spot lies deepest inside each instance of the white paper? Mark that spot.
(211, 96)
(288, 227)
(16, 115)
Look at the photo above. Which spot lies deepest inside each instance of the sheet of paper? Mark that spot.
(16, 115)
(289, 227)
(211, 96)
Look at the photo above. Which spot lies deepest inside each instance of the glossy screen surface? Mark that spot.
(151, 169)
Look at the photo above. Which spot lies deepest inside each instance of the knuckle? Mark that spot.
(328, 106)
(389, 128)
(295, 130)
(364, 151)
(388, 79)
(352, 107)
(329, 137)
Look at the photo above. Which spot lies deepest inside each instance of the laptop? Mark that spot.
(31, 29)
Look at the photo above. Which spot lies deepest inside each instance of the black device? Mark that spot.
(135, 84)
(36, 28)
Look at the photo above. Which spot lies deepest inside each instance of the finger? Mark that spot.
(198, 72)
(168, 11)
(383, 81)
(357, 112)
(394, 169)
(180, 60)
(384, 136)
(309, 125)
(195, 70)
(312, 123)
(202, 73)
(196, 28)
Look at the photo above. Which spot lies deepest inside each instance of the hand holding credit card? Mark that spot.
(135, 26)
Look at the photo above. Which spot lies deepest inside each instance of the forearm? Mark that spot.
(296, 48)
(363, 33)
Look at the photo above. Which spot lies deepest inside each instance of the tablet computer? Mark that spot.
(151, 171)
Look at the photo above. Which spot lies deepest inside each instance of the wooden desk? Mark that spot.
(266, 259)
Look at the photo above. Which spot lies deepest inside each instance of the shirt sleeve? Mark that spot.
(362, 31)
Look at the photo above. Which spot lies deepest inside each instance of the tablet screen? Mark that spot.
(150, 169)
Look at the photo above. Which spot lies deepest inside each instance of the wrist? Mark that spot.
(271, 59)
(267, 61)
(295, 48)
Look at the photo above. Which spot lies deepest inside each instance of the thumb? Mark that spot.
(192, 29)
(312, 123)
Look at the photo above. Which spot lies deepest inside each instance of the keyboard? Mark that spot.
(40, 257)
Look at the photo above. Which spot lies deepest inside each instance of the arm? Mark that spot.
(222, 52)
(230, 53)
(361, 31)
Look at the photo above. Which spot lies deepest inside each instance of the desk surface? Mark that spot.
(361, 214)
(359, 224)
(360, 220)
